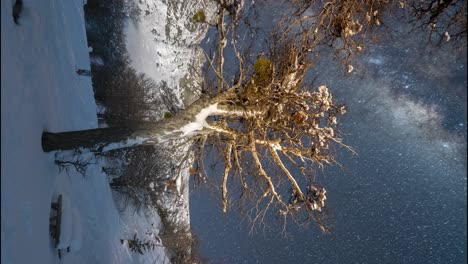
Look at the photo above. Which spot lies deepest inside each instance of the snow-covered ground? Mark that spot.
(41, 91)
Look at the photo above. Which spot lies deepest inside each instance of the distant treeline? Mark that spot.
(128, 96)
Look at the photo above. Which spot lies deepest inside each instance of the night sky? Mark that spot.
(403, 198)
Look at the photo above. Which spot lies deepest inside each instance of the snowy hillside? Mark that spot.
(162, 42)
(41, 91)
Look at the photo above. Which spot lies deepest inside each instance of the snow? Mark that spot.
(162, 41)
(127, 143)
(276, 146)
(179, 183)
(96, 60)
(75, 243)
(41, 91)
(200, 119)
(70, 228)
(66, 223)
(100, 109)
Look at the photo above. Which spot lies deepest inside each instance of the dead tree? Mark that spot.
(272, 127)
(269, 109)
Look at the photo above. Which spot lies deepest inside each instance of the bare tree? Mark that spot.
(129, 96)
(444, 21)
(141, 178)
(76, 161)
(347, 25)
(272, 127)
(270, 110)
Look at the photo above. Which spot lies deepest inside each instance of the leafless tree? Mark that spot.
(273, 128)
(76, 161)
(141, 178)
(444, 21)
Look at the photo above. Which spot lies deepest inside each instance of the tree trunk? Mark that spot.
(96, 139)
(105, 139)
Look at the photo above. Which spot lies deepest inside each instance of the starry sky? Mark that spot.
(403, 198)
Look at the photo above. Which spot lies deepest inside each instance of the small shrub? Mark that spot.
(138, 245)
(167, 115)
(199, 17)
(262, 71)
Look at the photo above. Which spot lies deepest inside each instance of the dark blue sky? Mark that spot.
(402, 199)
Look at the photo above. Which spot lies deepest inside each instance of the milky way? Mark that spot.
(402, 199)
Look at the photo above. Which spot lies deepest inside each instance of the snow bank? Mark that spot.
(70, 227)
(66, 223)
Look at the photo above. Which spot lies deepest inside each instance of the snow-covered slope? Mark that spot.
(162, 42)
(41, 91)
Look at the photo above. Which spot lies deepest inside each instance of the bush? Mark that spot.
(262, 71)
(167, 115)
(137, 245)
(199, 17)
(140, 178)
